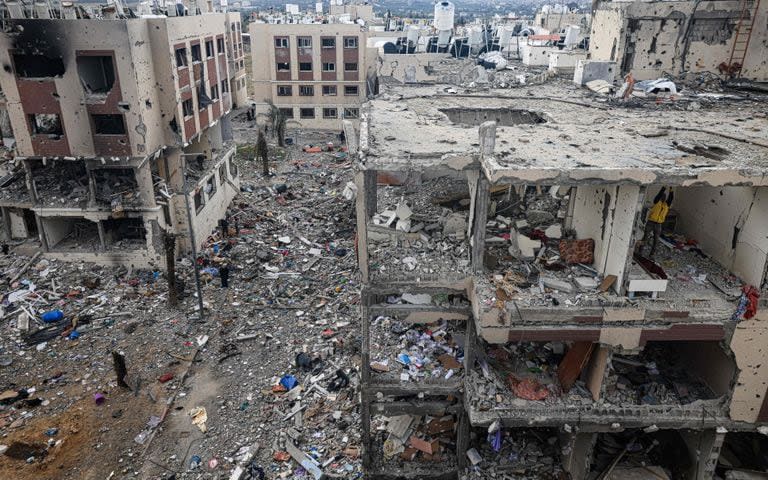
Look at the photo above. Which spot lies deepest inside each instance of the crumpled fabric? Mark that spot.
(528, 388)
(747, 306)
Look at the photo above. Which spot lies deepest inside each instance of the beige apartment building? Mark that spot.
(110, 115)
(315, 73)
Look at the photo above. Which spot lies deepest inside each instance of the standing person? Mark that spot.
(656, 217)
(261, 151)
(224, 274)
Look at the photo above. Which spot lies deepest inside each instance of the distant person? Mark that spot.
(657, 216)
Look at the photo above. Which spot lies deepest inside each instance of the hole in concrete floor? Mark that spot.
(22, 451)
(506, 117)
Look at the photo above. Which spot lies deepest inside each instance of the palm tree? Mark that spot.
(277, 120)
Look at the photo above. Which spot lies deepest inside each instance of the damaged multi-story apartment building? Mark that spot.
(653, 39)
(121, 127)
(518, 321)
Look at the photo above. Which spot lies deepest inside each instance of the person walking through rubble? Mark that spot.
(224, 274)
(261, 151)
(656, 217)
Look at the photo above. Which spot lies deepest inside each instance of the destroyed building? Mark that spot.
(654, 39)
(121, 123)
(515, 321)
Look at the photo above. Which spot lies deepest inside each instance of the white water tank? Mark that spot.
(412, 34)
(475, 35)
(444, 12)
(319, 7)
(505, 35)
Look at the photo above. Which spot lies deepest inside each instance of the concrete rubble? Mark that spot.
(200, 398)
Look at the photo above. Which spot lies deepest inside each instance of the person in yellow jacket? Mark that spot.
(658, 214)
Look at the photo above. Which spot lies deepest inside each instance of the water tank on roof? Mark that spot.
(444, 12)
(505, 35)
(412, 34)
(475, 35)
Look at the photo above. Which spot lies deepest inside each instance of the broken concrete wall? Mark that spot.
(749, 347)
(57, 229)
(536, 55)
(606, 215)
(409, 68)
(650, 38)
(729, 225)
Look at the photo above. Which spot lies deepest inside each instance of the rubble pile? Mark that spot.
(660, 454)
(657, 376)
(13, 183)
(526, 454)
(517, 373)
(415, 352)
(412, 439)
(423, 232)
(528, 247)
(61, 184)
(268, 382)
(115, 187)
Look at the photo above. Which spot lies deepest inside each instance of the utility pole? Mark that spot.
(169, 241)
(191, 230)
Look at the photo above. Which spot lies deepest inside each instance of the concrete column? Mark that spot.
(365, 393)
(28, 179)
(637, 233)
(577, 455)
(102, 235)
(487, 132)
(41, 234)
(704, 451)
(362, 224)
(7, 234)
(482, 198)
(145, 185)
(91, 187)
(371, 192)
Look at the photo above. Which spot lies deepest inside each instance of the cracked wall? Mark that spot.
(651, 38)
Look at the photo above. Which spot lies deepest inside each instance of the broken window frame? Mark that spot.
(351, 113)
(209, 50)
(350, 42)
(101, 122)
(328, 42)
(38, 66)
(305, 66)
(107, 70)
(304, 113)
(224, 86)
(220, 46)
(233, 171)
(222, 173)
(351, 90)
(281, 42)
(187, 108)
(215, 93)
(350, 66)
(329, 66)
(196, 52)
(306, 90)
(287, 113)
(210, 187)
(181, 57)
(37, 129)
(329, 90)
(283, 66)
(198, 200)
(330, 113)
(284, 91)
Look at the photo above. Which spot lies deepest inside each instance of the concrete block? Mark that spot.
(524, 246)
(417, 299)
(557, 284)
(588, 70)
(586, 283)
(455, 223)
(554, 231)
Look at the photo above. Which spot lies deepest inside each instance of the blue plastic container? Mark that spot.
(52, 316)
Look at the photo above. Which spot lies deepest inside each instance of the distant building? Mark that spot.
(315, 73)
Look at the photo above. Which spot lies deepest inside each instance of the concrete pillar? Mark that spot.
(91, 187)
(41, 234)
(145, 185)
(7, 233)
(365, 392)
(704, 451)
(362, 180)
(5, 124)
(482, 198)
(371, 192)
(28, 180)
(487, 133)
(102, 236)
(577, 453)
